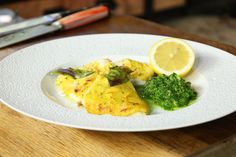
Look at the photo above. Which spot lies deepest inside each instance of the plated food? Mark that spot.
(28, 88)
(128, 86)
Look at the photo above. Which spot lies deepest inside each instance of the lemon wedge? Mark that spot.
(171, 55)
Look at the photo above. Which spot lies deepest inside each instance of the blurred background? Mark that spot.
(213, 19)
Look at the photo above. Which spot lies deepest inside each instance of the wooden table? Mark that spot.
(24, 136)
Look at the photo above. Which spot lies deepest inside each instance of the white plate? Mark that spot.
(213, 76)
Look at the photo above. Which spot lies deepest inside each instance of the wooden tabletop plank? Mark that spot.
(24, 136)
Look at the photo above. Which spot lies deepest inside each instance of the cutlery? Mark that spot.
(68, 22)
(46, 19)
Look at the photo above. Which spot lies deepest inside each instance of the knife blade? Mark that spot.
(68, 22)
(29, 23)
(27, 34)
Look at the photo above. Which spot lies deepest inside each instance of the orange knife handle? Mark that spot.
(84, 17)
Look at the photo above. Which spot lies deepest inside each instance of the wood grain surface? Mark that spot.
(21, 136)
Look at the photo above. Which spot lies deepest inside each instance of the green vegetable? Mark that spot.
(169, 92)
(81, 73)
(117, 75)
(76, 73)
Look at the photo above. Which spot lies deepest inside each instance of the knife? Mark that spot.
(68, 22)
(29, 23)
(46, 19)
